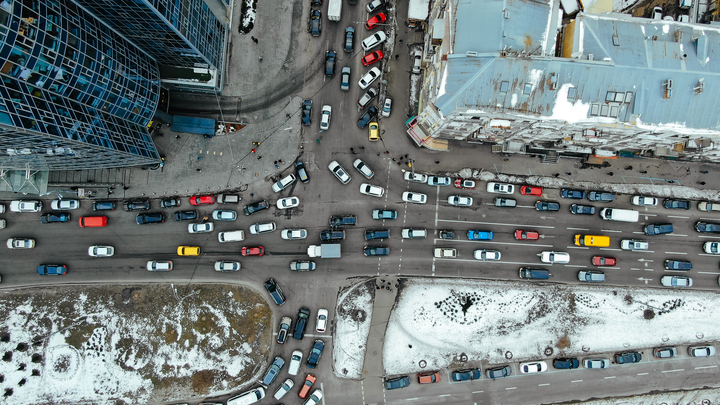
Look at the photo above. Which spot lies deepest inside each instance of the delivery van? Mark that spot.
(248, 398)
(93, 222)
(616, 214)
(231, 236)
(592, 240)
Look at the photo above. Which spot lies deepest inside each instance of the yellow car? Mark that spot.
(188, 251)
(374, 131)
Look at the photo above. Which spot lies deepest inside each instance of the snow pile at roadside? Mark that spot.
(441, 322)
(706, 396)
(353, 316)
(657, 190)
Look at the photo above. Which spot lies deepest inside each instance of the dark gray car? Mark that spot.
(499, 372)
(658, 229)
(600, 196)
(349, 39)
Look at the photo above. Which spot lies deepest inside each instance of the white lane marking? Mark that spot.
(706, 254)
(673, 234)
(676, 253)
(489, 262)
(578, 229)
(639, 233)
(642, 374)
(708, 236)
(574, 381)
(477, 392)
(542, 385)
(609, 230)
(496, 223)
(575, 265)
(511, 388)
(577, 247)
(444, 395)
(707, 272)
(612, 376)
(677, 216)
(634, 268)
(673, 371)
(702, 367)
(613, 249)
(411, 399)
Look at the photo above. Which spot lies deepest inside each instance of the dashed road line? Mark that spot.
(612, 376)
(708, 272)
(510, 388)
(574, 381)
(444, 395)
(577, 247)
(610, 230)
(542, 385)
(676, 253)
(496, 223)
(578, 229)
(677, 216)
(673, 371)
(477, 392)
(702, 367)
(613, 249)
(642, 373)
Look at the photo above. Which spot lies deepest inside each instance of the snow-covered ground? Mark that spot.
(352, 325)
(695, 397)
(439, 322)
(129, 344)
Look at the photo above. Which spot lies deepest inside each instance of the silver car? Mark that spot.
(264, 227)
(201, 228)
(364, 169)
(224, 215)
(596, 363)
(339, 172)
(227, 266)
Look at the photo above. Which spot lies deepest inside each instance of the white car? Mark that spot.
(363, 168)
(712, 247)
(290, 234)
(642, 200)
(371, 190)
(533, 367)
(387, 107)
(339, 172)
(265, 227)
(159, 265)
(374, 5)
(554, 257)
(369, 78)
(201, 228)
(439, 181)
(25, 206)
(285, 387)
(283, 183)
(410, 233)
(486, 255)
(701, 351)
(65, 204)
(20, 243)
(460, 201)
(708, 206)
(2, 208)
(101, 251)
(2, 224)
(445, 252)
(321, 323)
(374, 40)
(288, 202)
(500, 188)
(416, 177)
(227, 266)
(325, 117)
(224, 215)
(314, 398)
(412, 197)
(295, 360)
(634, 244)
(676, 281)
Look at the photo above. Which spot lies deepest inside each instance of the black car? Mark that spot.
(342, 220)
(137, 205)
(256, 207)
(395, 383)
(54, 217)
(306, 112)
(466, 375)
(315, 353)
(447, 234)
(186, 215)
(330, 58)
(377, 234)
(376, 251)
(498, 372)
(170, 202)
(629, 357)
(676, 204)
(658, 229)
(684, 265)
(547, 206)
(570, 193)
(103, 206)
(707, 227)
(582, 209)
(315, 23)
(566, 363)
(332, 235)
(302, 172)
(349, 39)
(301, 323)
(150, 218)
(275, 292)
(600, 196)
(367, 117)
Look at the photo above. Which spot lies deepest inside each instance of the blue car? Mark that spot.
(384, 214)
(466, 375)
(395, 383)
(479, 235)
(52, 269)
(574, 194)
(273, 371)
(315, 353)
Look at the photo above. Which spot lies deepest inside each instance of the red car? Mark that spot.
(372, 57)
(531, 190)
(202, 199)
(604, 261)
(428, 378)
(373, 21)
(465, 184)
(252, 251)
(521, 234)
(307, 384)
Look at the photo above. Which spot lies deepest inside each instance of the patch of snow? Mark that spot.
(440, 321)
(704, 396)
(353, 316)
(564, 110)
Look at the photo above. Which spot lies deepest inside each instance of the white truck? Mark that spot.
(326, 250)
(334, 10)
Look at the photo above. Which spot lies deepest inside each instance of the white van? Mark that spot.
(248, 398)
(616, 214)
(231, 236)
(685, 4)
(414, 233)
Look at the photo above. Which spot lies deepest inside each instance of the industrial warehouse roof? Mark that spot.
(660, 70)
(490, 26)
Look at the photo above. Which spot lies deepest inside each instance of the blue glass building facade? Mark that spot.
(74, 93)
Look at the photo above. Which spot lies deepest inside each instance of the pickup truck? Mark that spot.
(343, 220)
